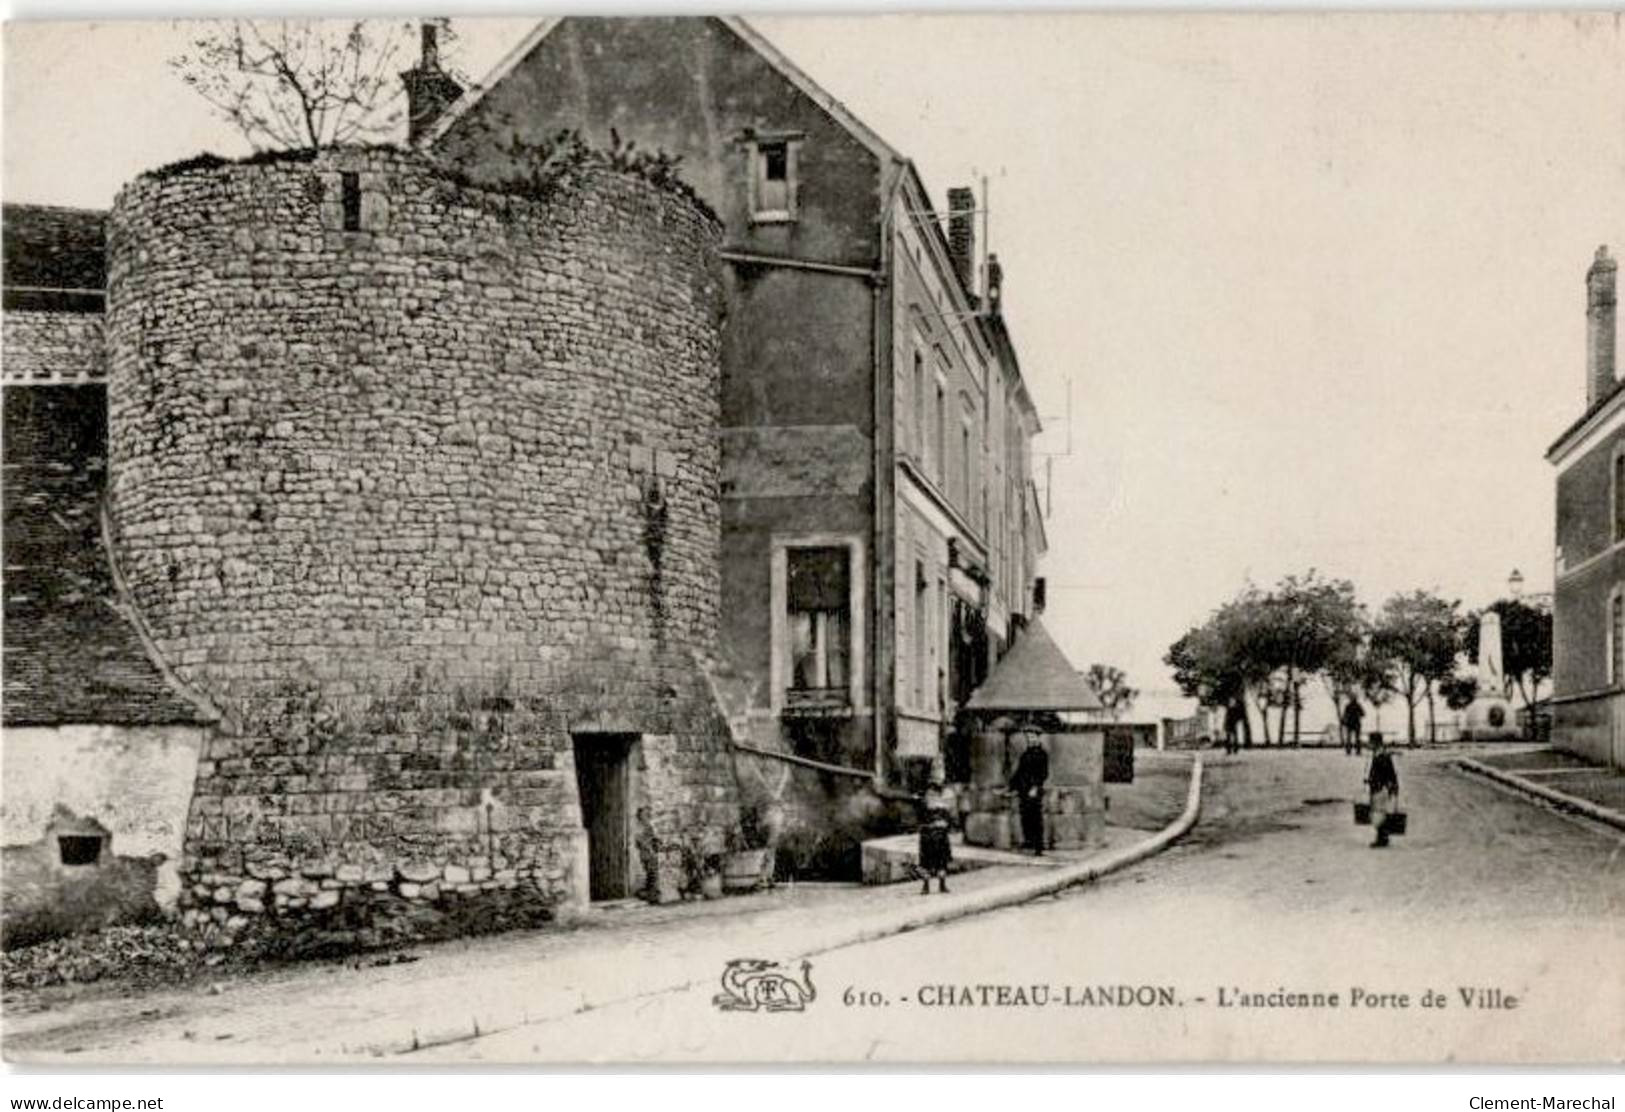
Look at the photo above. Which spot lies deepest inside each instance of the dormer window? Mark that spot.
(773, 179)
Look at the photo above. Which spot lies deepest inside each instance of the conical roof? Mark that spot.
(1034, 675)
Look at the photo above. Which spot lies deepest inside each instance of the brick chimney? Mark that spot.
(962, 235)
(430, 90)
(995, 284)
(1600, 326)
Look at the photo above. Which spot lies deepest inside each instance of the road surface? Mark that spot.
(1513, 917)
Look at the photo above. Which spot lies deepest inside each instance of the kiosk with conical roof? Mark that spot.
(1022, 701)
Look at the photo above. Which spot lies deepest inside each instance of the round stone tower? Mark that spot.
(419, 481)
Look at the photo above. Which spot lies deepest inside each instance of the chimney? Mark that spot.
(430, 90)
(1600, 327)
(962, 236)
(995, 284)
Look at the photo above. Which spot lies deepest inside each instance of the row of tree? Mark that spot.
(1265, 647)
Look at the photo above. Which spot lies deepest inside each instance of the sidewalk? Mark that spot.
(1558, 778)
(465, 989)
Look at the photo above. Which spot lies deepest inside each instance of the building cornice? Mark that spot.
(927, 496)
(1584, 434)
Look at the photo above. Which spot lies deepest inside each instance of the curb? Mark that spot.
(1019, 891)
(1561, 800)
(1028, 889)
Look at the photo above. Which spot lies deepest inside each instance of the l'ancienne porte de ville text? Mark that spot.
(1357, 998)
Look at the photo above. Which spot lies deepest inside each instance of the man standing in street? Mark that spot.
(1032, 771)
(1353, 720)
(1235, 719)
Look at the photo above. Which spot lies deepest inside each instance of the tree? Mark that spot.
(1526, 648)
(1223, 662)
(1204, 671)
(299, 83)
(1354, 671)
(1111, 685)
(1310, 624)
(1458, 691)
(1376, 675)
(1416, 635)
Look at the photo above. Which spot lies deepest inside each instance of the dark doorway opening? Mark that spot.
(604, 779)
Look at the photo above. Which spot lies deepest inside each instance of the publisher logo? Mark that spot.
(758, 985)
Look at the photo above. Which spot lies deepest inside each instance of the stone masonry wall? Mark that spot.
(42, 346)
(418, 481)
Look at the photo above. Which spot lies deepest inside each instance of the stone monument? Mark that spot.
(1490, 714)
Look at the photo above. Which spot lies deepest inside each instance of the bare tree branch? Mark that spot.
(299, 83)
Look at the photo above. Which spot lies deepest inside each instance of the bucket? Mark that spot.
(1395, 823)
(1362, 814)
(747, 870)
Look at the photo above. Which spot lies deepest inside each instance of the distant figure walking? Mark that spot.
(1032, 772)
(1383, 781)
(1235, 719)
(1353, 719)
(936, 852)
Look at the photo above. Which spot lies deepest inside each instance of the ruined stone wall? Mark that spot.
(418, 481)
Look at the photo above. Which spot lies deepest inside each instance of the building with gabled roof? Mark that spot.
(879, 533)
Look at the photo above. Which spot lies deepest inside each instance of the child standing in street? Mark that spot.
(1383, 780)
(936, 852)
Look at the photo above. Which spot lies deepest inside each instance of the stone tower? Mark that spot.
(419, 482)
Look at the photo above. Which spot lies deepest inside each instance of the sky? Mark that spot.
(1311, 286)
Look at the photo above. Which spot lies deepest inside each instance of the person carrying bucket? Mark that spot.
(1382, 778)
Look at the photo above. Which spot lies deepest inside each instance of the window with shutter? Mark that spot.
(773, 184)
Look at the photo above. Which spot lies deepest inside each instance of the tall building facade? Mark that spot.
(1588, 604)
(879, 529)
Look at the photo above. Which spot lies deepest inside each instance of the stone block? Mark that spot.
(1066, 831)
(1005, 832)
(418, 872)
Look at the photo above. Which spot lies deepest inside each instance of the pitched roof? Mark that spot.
(1034, 675)
(69, 656)
(52, 252)
(1591, 411)
(752, 37)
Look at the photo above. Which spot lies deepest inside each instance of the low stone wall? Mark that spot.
(1073, 818)
(1074, 795)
